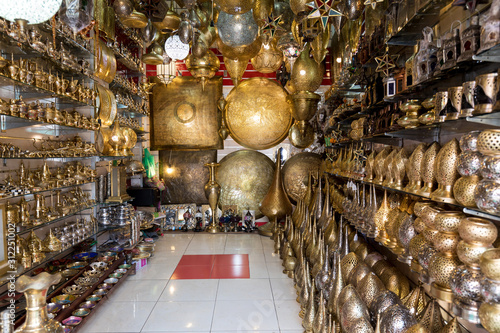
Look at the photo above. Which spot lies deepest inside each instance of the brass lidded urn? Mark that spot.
(275, 204)
(35, 290)
(212, 191)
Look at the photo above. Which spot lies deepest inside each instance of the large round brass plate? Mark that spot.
(106, 104)
(244, 177)
(296, 172)
(258, 115)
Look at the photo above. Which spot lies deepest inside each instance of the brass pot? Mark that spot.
(428, 170)
(448, 221)
(464, 189)
(490, 264)
(419, 207)
(477, 230)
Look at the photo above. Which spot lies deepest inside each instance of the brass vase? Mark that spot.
(35, 290)
(212, 191)
(428, 170)
(463, 190)
(447, 173)
(275, 204)
(307, 74)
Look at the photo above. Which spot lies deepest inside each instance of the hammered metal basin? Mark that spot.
(245, 177)
(296, 171)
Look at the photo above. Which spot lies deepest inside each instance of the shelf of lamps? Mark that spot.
(34, 227)
(19, 49)
(11, 122)
(429, 133)
(80, 46)
(57, 159)
(52, 256)
(465, 210)
(41, 191)
(129, 32)
(118, 86)
(31, 92)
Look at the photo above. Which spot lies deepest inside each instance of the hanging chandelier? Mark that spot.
(166, 72)
(176, 49)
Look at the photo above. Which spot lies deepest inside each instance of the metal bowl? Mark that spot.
(69, 272)
(111, 280)
(93, 274)
(99, 265)
(125, 266)
(63, 299)
(74, 290)
(121, 271)
(77, 265)
(88, 305)
(72, 321)
(109, 254)
(86, 281)
(115, 275)
(105, 286)
(100, 292)
(93, 298)
(81, 312)
(54, 308)
(85, 255)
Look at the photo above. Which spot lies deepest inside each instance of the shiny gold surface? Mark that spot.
(243, 53)
(448, 221)
(416, 301)
(396, 282)
(135, 20)
(184, 116)
(489, 314)
(307, 74)
(235, 68)
(370, 287)
(35, 290)
(296, 172)
(301, 135)
(428, 170)
(235, 6)
(107, 106)
(441, 267)
(212, 192)
(490, 264)
(269, 58)
(463, 190)
(446, 171)
(245, 177)
(319, 44)
(203, 68)
(257, 113)
(276, 204)
(477, 230)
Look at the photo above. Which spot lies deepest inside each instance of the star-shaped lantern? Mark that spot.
(271, 25)
(373, 3)
(322, 10)
(386, 62)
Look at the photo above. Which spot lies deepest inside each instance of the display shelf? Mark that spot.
(135, 39)
(10, 122)
(117, 86)
(16, 88)
(58, 159)
(411, 32)
(24, 230)
(73, 306)
(23, 50)
(53, 256)
(465, 210)
(111, 158)
(128, 112)
(492, 54)
(80, 48)
(47, 190)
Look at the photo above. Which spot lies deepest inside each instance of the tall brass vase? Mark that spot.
(275, 204)
(35, 290)
(212, 191)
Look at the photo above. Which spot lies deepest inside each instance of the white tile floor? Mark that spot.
(150, 302)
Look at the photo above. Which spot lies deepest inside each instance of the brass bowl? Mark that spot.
(490, 264)
(81, 312)
(93, 298)
(488, 142)
(63, 299)
(115, 275)
(92, 274)
(477, 230)
(430, 234)
(446, 242)
(489, 314)
(88, 305)
(105, 286)
(448, 221)
(100, 292)
(74, 290)
(470, 253)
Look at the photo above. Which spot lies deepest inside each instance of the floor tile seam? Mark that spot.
(274, 303)
(215, 304)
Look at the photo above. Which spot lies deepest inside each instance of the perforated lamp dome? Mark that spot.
(33, 11)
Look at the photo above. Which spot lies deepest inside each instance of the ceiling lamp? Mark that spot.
(290, 48)
(166, 72)
(176, 49)
(30, 11)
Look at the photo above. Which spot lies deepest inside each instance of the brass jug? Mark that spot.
(212, 191)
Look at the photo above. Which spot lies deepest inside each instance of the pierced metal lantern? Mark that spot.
(451, 50)
(470, 40)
